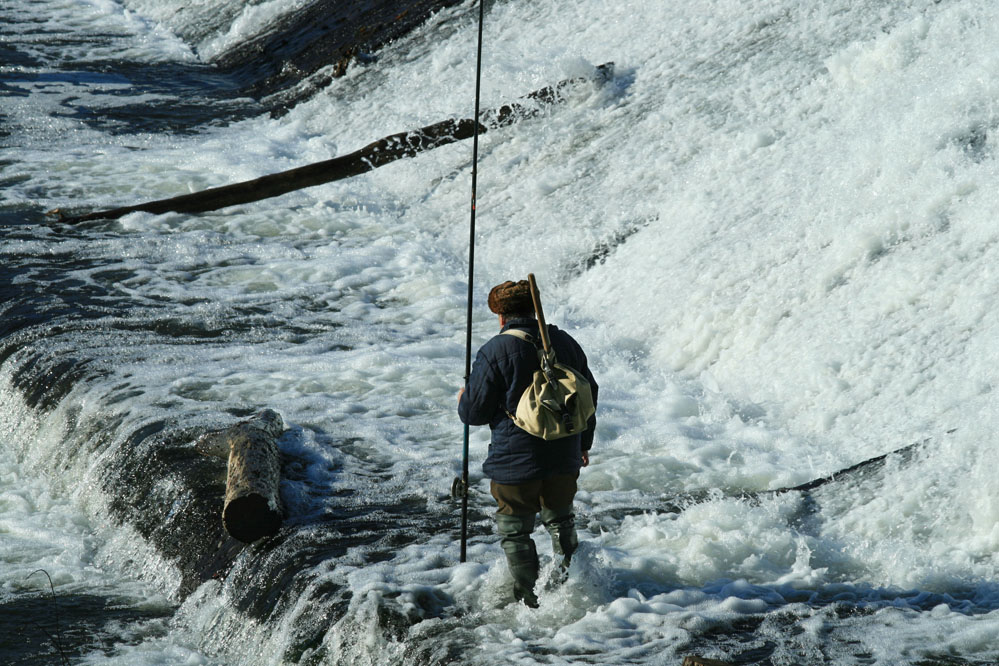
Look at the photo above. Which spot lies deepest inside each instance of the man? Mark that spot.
(529, 475)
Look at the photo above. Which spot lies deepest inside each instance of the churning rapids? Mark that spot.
(774, 231)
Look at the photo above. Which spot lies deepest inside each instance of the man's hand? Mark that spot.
(586, 458)
(460, 393)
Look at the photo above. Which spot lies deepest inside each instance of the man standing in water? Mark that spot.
(529, 475)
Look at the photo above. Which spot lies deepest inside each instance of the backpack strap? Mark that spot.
(546, 359)
(523, 335)
(526, 337)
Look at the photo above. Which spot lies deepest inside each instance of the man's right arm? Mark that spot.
(481, 398)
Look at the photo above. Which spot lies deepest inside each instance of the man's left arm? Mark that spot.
(586, 439)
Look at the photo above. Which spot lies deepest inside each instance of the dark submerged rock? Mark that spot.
(326, 32)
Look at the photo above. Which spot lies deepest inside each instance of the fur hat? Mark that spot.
(511, 298)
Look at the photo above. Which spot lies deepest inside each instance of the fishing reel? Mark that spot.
(459, 488)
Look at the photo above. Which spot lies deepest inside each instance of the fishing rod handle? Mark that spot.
(539, 312)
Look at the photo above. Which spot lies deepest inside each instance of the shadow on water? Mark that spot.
(18, 215)
(40, 631)
(176, 97)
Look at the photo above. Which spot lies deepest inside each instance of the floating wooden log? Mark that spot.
(372, 156)
(252, 507)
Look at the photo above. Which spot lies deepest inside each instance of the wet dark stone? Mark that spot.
(327, 32)
(173, 497)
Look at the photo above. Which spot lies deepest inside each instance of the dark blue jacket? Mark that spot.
(503, 368)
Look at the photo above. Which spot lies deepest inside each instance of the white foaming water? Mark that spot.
(773, 234)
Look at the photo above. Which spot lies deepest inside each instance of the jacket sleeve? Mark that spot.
(483, 395)
(586, 439)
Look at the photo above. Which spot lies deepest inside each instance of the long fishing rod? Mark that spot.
(471, 271)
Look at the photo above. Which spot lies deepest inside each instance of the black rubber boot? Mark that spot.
(521, 554)
(561, 525)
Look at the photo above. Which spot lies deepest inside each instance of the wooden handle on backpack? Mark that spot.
(539, 312)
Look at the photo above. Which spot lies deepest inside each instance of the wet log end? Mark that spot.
(250, 517)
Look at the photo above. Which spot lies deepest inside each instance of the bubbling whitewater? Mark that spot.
(772, 231)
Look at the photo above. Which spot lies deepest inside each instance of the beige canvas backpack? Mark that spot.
(558, 403)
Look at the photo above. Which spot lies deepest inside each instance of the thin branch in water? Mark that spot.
(54, 638)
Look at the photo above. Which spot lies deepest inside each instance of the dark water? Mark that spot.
(54, 629)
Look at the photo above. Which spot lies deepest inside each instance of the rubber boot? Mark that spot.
(561, 525)
(521, 554)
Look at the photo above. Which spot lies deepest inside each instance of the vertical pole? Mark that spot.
(471, 272)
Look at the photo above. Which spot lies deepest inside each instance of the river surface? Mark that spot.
(773, 231)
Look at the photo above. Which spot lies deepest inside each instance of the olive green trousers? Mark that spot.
(515, 521)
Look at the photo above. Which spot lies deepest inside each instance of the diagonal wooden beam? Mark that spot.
(372, 156)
